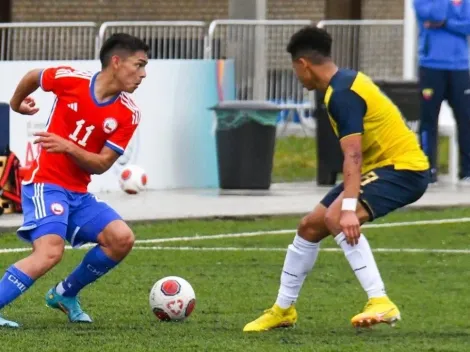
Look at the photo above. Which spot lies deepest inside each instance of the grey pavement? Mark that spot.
(281, 199)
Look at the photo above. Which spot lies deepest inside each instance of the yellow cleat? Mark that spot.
(377, 310)
(275, 317)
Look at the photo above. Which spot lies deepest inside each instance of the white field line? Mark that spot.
(292, 231)
(279, 232)
(265, 249)
(275, 249)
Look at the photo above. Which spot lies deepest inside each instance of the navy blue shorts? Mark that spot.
(385, 189)
(49, 209)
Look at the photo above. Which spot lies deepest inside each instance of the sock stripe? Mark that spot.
(94, 265)
(13, 284)
(293, 275)
(362, 262)
(300, 259)
(25, 279)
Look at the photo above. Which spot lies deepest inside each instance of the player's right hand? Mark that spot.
(351, 227)
(28, 107)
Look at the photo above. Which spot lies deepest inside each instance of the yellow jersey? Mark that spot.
(356, 105)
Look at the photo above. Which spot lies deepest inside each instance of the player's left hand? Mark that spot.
(350, 225)
(52, 143)
(429, 24)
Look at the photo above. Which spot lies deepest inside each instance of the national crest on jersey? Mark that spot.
(109, 125)
(78, 116)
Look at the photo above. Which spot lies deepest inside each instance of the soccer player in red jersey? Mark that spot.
(91, 123)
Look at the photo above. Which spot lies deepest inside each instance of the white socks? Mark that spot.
(362, 262)
(300, 258)
(60, 288)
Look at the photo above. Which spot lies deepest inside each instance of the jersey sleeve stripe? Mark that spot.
(51, 115)
(114, 147)
(70, 75)
(351, 134)
(127, 101)
(40, 79)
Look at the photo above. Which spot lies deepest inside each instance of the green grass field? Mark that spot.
(235, 281)
(295, 159)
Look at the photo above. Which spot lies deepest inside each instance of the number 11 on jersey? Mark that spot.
(74, 135)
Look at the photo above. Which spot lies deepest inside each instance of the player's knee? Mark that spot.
(304, 229)
(311, 229)
(54, 256)
(50, 254)
(126, 241)
(123, 240)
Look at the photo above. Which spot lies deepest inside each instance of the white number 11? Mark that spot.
(74, 135)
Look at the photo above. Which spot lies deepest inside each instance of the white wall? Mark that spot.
(173, 143)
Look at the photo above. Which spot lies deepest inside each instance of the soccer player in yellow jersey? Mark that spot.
(384, 169)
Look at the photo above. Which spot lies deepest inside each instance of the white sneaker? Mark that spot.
(465, 182)
(8, 323)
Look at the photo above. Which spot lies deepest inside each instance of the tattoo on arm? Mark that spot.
(356, 156)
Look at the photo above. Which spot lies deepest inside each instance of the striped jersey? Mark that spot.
(78, 116)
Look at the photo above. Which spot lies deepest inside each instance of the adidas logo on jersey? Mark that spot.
(73, 106)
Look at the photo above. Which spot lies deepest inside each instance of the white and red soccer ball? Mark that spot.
(172, 299)
(133, 179)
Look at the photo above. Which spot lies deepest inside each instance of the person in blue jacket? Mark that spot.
(444, 74)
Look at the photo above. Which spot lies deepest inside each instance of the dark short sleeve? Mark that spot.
(348, 109)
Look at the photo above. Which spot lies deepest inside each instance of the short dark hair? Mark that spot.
(120, 42)
(312, 43)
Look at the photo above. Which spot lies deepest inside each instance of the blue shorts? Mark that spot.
(385, 189)
(77, 217)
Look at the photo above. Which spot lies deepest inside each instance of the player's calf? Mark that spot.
(359, 255)
(114, 243)
(301, 256)
(19, 277)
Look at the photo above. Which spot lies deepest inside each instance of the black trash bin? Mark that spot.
(329, 153)
(245, 138)
(406, 95)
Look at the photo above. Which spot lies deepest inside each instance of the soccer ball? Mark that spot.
(172, 299)
(132, 179)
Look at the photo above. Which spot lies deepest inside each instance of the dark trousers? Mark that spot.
(453, 86)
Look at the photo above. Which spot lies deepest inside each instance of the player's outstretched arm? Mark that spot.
(352, 150)
(21, 102)
(348, 109)
(349, 222)
(93, 163)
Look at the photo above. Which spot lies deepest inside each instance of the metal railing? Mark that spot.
(262, 65)
(47, 41)
(372, 46)
(166, 39)
(258, 47)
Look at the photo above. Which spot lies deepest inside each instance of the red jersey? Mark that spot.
(79, 117)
